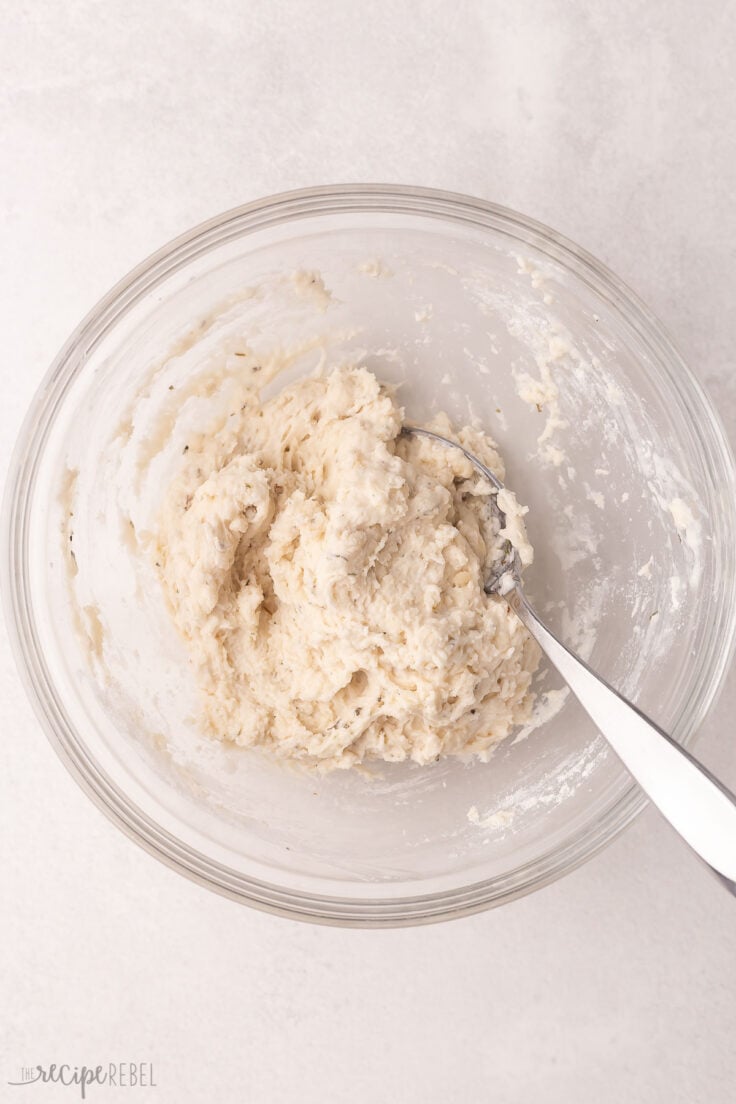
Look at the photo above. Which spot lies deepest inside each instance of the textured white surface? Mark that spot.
(125, 123)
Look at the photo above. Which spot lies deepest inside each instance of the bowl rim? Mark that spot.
(238, 222)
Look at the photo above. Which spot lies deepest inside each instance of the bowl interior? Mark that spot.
(466, 318)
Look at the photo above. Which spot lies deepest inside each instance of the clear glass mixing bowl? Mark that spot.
(473, 309)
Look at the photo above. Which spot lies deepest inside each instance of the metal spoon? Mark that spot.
(695, 803)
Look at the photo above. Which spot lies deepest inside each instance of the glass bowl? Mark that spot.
(473, 309)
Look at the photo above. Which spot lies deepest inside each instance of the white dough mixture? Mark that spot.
(327, 577)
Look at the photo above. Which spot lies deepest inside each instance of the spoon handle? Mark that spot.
(695, 803)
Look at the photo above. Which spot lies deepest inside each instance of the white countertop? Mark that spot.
(124, 124)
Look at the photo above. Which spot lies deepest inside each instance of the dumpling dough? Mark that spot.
(327, 577)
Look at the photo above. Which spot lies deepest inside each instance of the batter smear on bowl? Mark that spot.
(327, 577)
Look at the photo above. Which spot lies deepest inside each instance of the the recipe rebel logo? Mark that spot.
(115, 1075)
